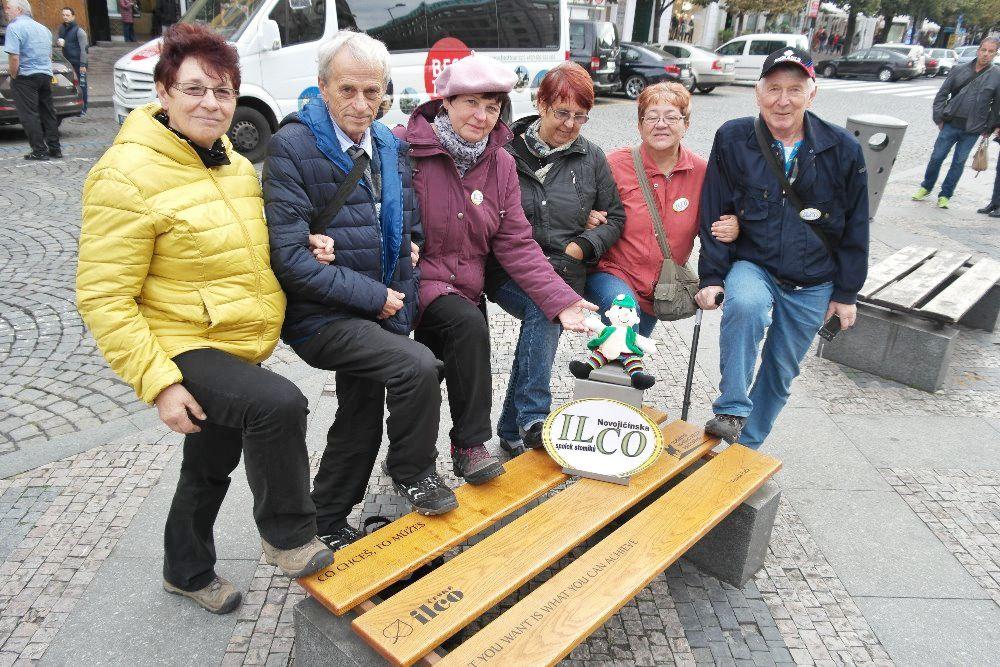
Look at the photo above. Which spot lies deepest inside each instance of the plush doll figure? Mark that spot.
(617, 342)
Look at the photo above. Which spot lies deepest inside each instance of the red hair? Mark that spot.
(190, 40)
(567, 81)
(669, 92)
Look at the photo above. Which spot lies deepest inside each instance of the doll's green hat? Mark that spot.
(625, 301)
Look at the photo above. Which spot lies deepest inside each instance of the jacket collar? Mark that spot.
(142, 128)
(519, 126)
(424, 142)
(819, 135)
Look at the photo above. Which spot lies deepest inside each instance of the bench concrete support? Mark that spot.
(895, 346)
(985, 314)
(610, 381)
(322, 638)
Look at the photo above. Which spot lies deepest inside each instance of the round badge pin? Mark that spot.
(810, 214)
(681, 204)
(477, 197)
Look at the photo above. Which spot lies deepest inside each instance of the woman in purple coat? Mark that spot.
(470, 206)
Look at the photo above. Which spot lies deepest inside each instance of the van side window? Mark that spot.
(529, 24)
(298, 26)
(400, 24)
(732, 49)
(577, 36)
(474, 23)
(765, 47)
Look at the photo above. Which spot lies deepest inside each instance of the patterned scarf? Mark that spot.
(465, 153)
(537, 146)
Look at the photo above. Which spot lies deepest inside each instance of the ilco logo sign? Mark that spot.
(601, 436)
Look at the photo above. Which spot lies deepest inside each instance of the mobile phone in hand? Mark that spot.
(831, 328)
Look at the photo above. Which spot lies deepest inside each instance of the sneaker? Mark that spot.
(57, 154)
(580, 369)
(428, 496)
(219, 597)
(533, 436)
(43, 157)
(475, 464)
(341, 537)
(727, 427)
(995, 213)
(642, 380)
(513, 448)
(300, 561)
(920, 194)
(942, 202)
(986, 210)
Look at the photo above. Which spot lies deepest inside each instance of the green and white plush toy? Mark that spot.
(617, 342)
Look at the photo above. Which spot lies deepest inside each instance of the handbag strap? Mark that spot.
(323, 218)
(760, 130)
(654, 211)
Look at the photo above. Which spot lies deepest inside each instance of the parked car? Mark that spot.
(708, 69)
(65, 91)
(749, 51)
(883, 64)
(595, 46)
(913, 52)
(945, 58)
(643, 65)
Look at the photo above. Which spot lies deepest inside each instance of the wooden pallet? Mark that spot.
(407, 627)
(934, 284)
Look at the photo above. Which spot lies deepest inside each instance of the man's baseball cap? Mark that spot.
(789, 55)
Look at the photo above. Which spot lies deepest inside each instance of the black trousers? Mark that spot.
(457, 333)
(254, 412)
(375, 369)
(36, 111)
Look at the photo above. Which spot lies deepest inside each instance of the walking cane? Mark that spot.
(694, 353)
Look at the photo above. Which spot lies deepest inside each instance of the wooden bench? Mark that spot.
(906, 312)
(410, 626)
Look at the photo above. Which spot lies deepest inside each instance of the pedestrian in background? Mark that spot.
(175, 283)
(166, 13)
(29, 58)
(74, 43)
(966, 107)
(128, 20)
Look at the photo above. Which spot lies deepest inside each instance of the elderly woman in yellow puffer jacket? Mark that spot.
(175, 284)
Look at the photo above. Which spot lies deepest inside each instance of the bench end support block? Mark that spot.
(322, 638)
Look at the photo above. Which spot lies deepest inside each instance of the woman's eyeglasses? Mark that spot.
(562, 115)
(653, 121)
(222, 93)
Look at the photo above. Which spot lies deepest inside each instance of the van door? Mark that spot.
(748, 68)
(289, 72)
(735, 50)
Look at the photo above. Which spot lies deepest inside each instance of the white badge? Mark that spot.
(681, 204)
(810, 214)
(477, 197)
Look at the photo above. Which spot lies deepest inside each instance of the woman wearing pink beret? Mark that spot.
(470, 204)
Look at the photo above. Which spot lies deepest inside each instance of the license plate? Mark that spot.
(729, 67)
(55, 80)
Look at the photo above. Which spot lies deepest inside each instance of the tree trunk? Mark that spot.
(852, 19)
(658, 10)
(883, 35)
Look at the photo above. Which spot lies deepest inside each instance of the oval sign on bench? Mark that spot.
(606, 438)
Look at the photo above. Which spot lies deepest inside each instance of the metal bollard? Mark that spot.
(880, 137)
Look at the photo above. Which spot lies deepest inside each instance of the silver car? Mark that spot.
(708, 69)
(946, 60)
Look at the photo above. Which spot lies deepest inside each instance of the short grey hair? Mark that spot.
(810, 82)
(23, 5)
(991, 38)
(365, 49)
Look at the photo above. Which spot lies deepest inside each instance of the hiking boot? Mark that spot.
(513, 448)
(986, 210)
(727, 427)
(580, 369)
(42, 157)
(428, 496)
(642, 380)
(219, 597)
(920, 194)
(475, 464)
(57, 153)
(339, 538)
(942, 202)
(300, 561)
(533, 436)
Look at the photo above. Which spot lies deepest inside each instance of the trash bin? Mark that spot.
(880, 137)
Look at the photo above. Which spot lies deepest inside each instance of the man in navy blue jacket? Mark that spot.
(779, 275)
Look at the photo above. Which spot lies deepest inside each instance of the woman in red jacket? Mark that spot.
(676, 173)
(470, 206)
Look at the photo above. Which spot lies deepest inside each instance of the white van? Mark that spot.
(278, 42)
(750, 51)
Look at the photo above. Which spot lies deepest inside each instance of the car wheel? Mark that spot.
(250, 133)
(885, 74)
(694, 84)
(830, 72)
(634, 86)
(705, 90)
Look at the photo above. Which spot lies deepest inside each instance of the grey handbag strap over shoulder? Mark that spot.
(654, 211)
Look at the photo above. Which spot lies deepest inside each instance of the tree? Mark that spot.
(659, 6)
(855, 7)
(743, 7)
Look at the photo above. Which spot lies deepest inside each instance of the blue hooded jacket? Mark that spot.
(304, 167)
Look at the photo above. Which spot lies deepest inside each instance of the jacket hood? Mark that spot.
(141, 128)
(423, 141)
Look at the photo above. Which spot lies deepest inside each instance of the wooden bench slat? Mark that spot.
(959, 297)
(501, 563)
(910, 290)
(413, 540)
(547, 624)
(893, 267)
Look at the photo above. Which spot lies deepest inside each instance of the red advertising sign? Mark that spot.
(813, 8)
(444, 52)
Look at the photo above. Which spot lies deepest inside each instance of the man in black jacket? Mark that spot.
(966, 106)
(73, 40)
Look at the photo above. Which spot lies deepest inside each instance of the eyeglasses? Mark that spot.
(222, 93)
(472, 104)
(653, 121)
(563, 115)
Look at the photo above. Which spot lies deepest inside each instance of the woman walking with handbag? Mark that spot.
(660, 185)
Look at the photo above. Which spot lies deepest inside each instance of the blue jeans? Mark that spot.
(529, 397)
(963, 142)
(755, 302)
(603, 288)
